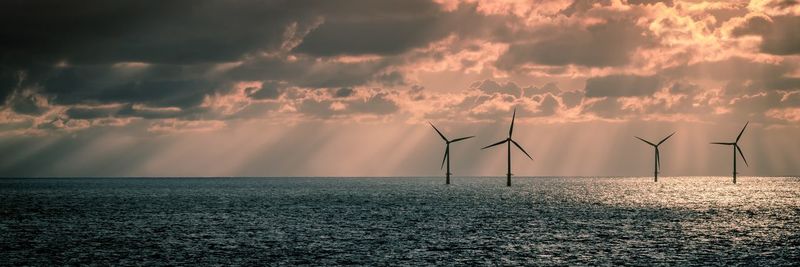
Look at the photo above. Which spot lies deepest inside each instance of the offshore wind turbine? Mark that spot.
(447, 150)
(510, 141)
(657, 164)
(735, 146)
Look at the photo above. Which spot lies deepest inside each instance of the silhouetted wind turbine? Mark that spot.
(736, 147)
(447, 150)
(657, 164)
(510, 141)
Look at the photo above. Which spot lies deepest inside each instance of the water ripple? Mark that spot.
(415, 221)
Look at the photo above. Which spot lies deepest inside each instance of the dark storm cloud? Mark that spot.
(394, 27)
(621, 86)
(88, 37)
(9, 81)
(92, 112)
(27, 104)
(175, 31)
(157, 86)
(372, 28)
(600, 45)
(71, 49)
(101, 59)
(383, 36)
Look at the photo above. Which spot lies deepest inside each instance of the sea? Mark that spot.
(685, 221)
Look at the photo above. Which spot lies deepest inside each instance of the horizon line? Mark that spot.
(334, 177)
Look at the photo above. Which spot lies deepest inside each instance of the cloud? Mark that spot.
(605, 107)
(550, 87)
(157, 85)
(621, 85)
(147, 112)
(29, 103)
(380, 35)
(128, 51)
(365, 102)
(344, 92)
(786, 114)
(304, 71)
(94, 63)
(97, 32)
(267, 90)
(548, 105)
(9, 82)
(395, 27)
(572, 98)
(650, 2)
(379, 103)
(779, 34)
(492, 87)
(598, 45)
(87, 112)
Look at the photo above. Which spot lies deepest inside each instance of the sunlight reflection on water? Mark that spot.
(374, 221)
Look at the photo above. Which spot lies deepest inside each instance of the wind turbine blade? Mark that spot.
(523, 150)
(437, 130)
(645, 141)
(446, 154)
(740, 133)
(494, 144)
(511, 130)
(462, 138)
(718, 143)
(742, 154)
(665, 138)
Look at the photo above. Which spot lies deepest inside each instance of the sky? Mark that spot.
(347, 88)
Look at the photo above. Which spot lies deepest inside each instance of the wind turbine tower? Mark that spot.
(447, 150)
(509, 141)
(735, 146)
(657, 163)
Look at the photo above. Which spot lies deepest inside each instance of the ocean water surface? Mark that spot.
(417, 221)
